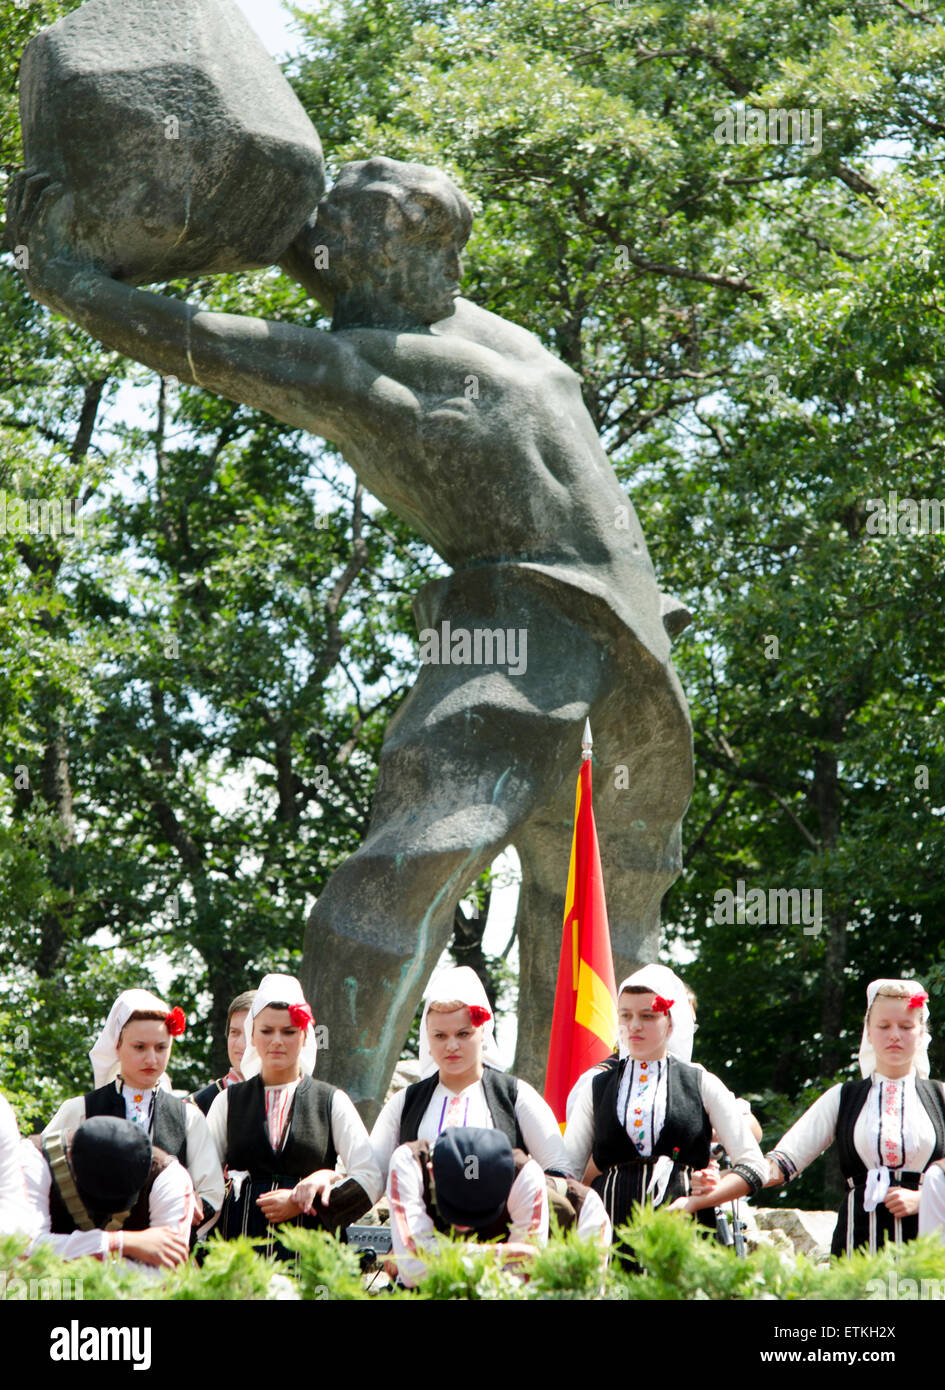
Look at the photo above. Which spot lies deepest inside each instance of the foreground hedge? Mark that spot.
(679, 1264)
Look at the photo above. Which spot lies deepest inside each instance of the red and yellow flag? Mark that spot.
(584, 1026)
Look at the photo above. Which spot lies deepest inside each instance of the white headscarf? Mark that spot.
(462, 983)
(104, 1054)
(867, 1054)
(661, 980)
(277, 989)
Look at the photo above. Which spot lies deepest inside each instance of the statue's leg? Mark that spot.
(642, 783)
(473, 752)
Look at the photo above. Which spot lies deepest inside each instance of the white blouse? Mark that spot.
(893, 1129)
(725, 1111)
(536, 1120)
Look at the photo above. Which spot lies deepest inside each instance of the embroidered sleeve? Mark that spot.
(784, 1162)
(811, 1134)
(411, 1226)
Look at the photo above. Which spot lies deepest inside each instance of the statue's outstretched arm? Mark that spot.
(297, 374)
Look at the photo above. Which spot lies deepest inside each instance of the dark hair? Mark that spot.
(143, 1016)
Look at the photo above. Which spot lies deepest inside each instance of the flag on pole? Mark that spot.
(584, 1025)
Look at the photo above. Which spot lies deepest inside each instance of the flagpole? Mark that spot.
(584, 1019)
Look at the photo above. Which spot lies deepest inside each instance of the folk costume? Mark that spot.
(497, 1101)
(508, 1201)
(173, 1125)
(648, 1124)
(887, 1129)
(204, 1098)
(85, 1189)
(271, 1137)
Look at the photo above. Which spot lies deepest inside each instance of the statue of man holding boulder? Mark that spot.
(468, 428)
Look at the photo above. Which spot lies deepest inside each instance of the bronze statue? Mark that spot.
(469, 429)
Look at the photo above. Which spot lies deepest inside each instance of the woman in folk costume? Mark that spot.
(889, 1127)
(644, 1123)
(280, 1132)
(129, 1065)
(462, 1081)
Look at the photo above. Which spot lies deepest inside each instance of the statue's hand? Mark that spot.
(39, 231)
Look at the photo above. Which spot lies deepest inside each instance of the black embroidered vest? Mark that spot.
(168, 1121)
(500, 1089)
(687, 1129)
(853, 1096)
(308, 1145)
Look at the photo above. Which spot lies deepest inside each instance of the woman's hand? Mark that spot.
(316, 1187)
(278, 1205)
(681, 1204)
(901, 1201)
(705, 1180)
(159, 1245)
(512, 1251)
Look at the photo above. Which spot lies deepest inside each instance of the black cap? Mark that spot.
(473, 1170)
(111, 1159)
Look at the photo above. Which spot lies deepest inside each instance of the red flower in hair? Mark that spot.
(917, 1000)
(478, 1015)
(661, 1005)
(300, 1015)
(176, 1021)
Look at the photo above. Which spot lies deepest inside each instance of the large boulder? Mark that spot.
(186, 150)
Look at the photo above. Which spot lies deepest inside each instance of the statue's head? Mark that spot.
(393, 234)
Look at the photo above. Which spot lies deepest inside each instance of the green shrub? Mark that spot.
(676, 1262)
